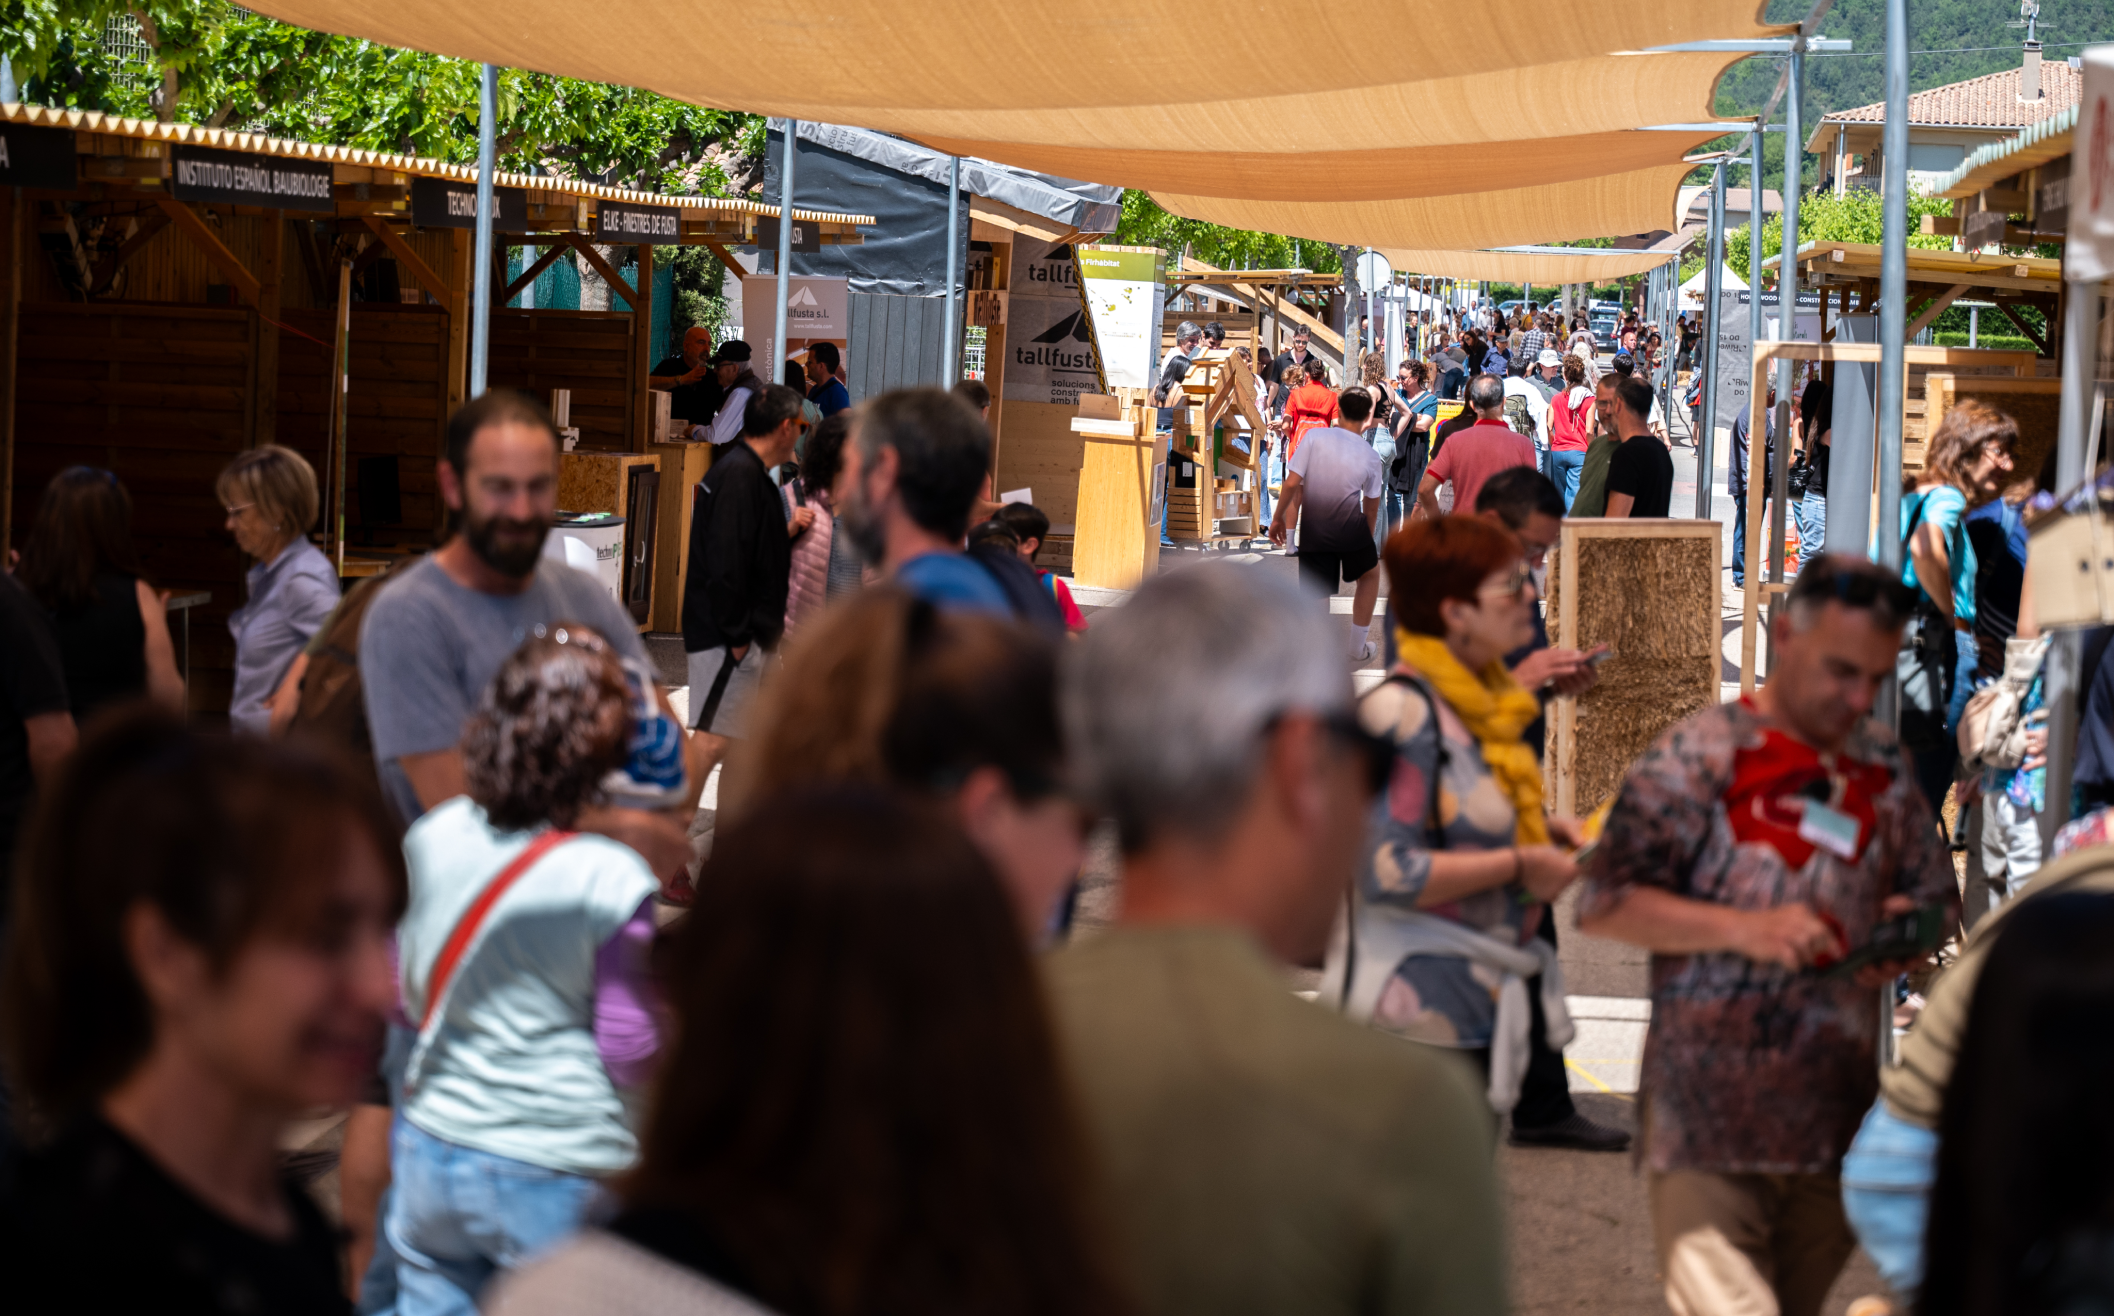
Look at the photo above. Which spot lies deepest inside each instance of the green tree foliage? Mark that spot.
(213, 63)
(1950, 41)
(1824, 217)
(1145, 224)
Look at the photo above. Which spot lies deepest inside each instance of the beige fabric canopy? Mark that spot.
(1639, 201)
(1378, 174)
(1108, 72)
(1547, 267)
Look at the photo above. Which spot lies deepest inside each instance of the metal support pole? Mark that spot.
(481, 288)
(2065, 680)
(1713, 289)
(950, 322)
(1787, 311)
(787, 158)
(1893, 319)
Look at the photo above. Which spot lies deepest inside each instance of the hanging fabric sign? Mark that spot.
(438, 203)
(202, 174)
(618, 221)
(36, 157)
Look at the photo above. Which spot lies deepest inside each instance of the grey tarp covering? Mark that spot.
(904, 186)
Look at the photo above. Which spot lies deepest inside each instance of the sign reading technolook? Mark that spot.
(438, 203)
(200, 173)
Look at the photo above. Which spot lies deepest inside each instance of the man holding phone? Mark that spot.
(1754, 845)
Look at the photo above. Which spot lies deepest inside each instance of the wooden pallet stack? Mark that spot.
(1213, 472)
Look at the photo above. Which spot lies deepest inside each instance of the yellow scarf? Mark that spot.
(1496, 709)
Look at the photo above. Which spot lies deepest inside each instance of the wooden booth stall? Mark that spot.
(171, 295)
(1948, 374)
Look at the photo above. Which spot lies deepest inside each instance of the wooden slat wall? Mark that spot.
(159, 395)
(589, 352)
(895, 343)
(170, 267)
(397, 405)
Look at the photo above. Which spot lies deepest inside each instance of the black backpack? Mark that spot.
(1023, 589)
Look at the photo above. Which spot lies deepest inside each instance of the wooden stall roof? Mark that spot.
(108, 136)
(2050, 139)
(1853, 261)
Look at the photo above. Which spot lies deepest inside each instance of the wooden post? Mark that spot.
(264, 394)
(642, 353)
(11, 206)
(340, 385)
(460, 258)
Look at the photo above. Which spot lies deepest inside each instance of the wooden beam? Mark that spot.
(461, 263)
(264, 391)
(528, 276)
(407, 258)
(602, 267)
(2031, 337)
(1286, 310)
(641, 392)
(340, 385)
(196, 229)
(151, 223)
(1936, 307)
(368, 255)
(726, 259)
(12, 208)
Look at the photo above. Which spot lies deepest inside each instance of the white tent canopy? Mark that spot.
(1699, 283)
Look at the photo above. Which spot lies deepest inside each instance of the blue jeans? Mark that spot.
(1739, 538)
(457, 1216)
(1564, 466)
(1812, 514)
(1886, 1185)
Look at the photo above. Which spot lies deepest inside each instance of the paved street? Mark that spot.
(1580, 1227)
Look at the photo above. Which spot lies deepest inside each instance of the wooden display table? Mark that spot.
(1121, 479)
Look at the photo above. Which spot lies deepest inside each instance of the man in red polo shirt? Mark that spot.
(1472, 455)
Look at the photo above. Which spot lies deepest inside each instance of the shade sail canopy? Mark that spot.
(1376, 174)
(1547, 266)
(1639, 201)
(1101, 71)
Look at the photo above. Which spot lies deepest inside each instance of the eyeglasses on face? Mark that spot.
(1513, 586)
(1376, 753)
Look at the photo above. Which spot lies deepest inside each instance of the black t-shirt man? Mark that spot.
(32, 684)
(697, 403)
(1642, 469)
(1816, 415)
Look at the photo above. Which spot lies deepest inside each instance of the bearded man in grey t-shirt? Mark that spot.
(439, 630)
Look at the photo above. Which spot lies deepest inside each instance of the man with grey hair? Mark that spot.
(1188, 341)
(1753, 846)
(1473, 453)
(1260, 1154)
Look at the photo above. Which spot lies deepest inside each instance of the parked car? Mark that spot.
(1607, 334)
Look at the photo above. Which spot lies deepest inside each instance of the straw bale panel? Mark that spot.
(1650, 590)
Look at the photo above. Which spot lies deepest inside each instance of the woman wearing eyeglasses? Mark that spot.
(1459, 867)
(270, 497)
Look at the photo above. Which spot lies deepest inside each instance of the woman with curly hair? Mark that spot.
(523, 970)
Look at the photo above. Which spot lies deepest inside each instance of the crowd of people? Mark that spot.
(854, 1050)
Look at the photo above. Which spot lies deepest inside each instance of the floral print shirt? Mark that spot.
(1441, 999)
(1751, 1068)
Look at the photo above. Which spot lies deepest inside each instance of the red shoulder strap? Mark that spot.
(473, 918)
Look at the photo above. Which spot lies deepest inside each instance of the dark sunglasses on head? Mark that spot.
(1375, 751)
(1860, 589)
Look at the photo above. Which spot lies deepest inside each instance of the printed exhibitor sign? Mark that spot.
(202, 174)
(438, 203)
(35, 157)
(620, 222)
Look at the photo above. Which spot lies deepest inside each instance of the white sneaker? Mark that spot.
(1367, 654)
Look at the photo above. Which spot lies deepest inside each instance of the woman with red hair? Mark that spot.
(1460, 868)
